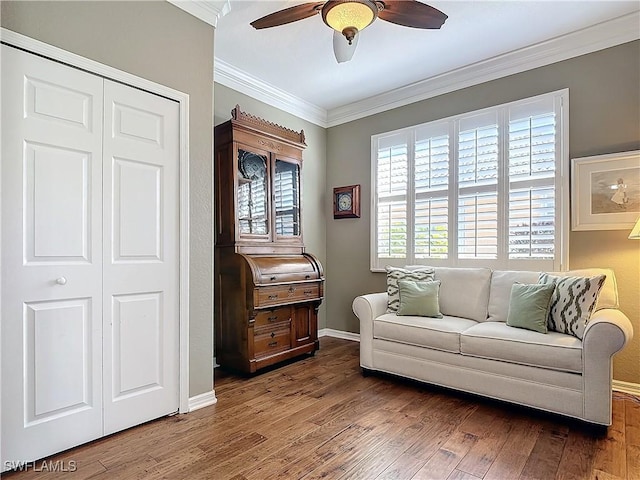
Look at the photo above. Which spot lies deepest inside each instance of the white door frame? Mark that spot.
(35, 46)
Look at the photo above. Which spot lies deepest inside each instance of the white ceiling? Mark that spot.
(295, 64)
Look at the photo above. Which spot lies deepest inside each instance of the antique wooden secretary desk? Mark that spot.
(267, 288)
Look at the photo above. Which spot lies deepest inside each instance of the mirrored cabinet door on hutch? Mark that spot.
(267, 288)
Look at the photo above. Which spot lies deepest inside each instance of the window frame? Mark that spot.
(560, 100)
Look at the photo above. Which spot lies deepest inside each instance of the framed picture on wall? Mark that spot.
(605, 191)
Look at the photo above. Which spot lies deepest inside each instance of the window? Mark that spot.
(484, 188)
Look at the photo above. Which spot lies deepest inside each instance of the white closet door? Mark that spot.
(51, 256)
(141, 256)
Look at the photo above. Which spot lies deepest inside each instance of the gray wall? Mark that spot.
(314, 168)
(604, 98)
(161, 43)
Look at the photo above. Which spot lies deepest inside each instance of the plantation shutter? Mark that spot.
(485, 188)
(478, 150)
(431, 187)
(532, 176)
(391, 189)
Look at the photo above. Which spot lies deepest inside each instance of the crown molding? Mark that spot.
(241, 81)
(598, 37)
(208, 11)
(591, 39)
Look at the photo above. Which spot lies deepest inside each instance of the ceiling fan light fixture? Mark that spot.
(349, 16)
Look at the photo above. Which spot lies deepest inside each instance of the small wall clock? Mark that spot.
(346, 202)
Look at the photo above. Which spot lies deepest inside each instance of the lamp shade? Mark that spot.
(635, 233)
(349, 16)
(342, 50)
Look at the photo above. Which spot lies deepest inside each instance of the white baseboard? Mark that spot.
(202, 400)
(330, 332)
(626, 387)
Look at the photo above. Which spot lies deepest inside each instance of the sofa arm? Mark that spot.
(612, 327)
(607, 332)
(367, 308)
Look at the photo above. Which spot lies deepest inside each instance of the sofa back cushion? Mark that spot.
(501, 283)
(464, 292)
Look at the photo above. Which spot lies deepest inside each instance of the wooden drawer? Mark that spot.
(284, 294)
(271, 341)
(272, 317)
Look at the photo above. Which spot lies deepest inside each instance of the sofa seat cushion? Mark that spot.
(439, 333)
(499, 341)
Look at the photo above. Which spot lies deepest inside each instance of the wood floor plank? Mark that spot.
(424, 446)
(577, 458)
(544, 460)
(320, 418)
(460, 475)
(261, 453)
(611, 456)
(398, 439)
(351, 454)
(632, 436)
(513, 456)
(130, 470)
(491, 428)
(444, 462)
(324, 452)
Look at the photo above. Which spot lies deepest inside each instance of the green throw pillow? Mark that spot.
(529, 306)
(395, 273)
(419, 298)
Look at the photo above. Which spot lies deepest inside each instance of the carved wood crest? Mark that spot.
(274, 129)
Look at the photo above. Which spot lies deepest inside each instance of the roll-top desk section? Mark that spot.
(267, 288)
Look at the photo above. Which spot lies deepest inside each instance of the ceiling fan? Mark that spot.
(348, 17)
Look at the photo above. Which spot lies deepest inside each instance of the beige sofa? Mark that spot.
(472, 349)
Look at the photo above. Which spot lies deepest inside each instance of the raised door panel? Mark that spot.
(137, 215)
(58, 339)
(137, 333)
(51, 269)
(141, 254)
(57, 227)
(304, 325)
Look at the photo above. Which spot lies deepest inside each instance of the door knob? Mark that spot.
(61, 281)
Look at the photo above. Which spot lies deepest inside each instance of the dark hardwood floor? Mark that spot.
(320, 418)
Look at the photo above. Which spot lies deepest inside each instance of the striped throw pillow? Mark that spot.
(572, 302)
(395, 273)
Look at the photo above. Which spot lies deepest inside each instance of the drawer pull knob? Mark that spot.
(291, 289)
(273, 334)
(273, 278)
(307, 277)
(273, 297)
(308, 292)
(273, 344)
(273, 319)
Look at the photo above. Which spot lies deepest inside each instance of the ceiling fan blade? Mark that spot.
(288, 15)
(412, 13)
(341, 48)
